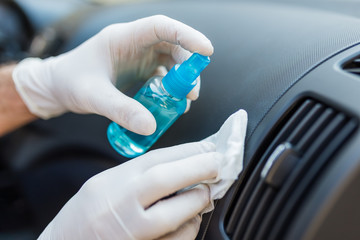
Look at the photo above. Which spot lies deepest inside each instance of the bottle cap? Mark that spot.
(181, 79)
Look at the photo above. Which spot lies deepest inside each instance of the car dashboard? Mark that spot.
(294, 67)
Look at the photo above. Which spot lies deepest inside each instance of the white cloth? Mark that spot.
(229, 141)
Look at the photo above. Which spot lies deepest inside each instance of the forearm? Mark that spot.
(13, 111)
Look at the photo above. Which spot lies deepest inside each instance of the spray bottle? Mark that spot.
(165, 98)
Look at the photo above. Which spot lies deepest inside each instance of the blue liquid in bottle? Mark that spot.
(165, 98)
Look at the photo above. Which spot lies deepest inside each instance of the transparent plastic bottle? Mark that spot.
(165, 98)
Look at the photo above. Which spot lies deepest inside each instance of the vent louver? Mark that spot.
(266, 200)
(353, 66)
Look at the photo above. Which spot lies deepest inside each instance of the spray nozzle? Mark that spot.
(180, 80)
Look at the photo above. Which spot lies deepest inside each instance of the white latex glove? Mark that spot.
(127, 201)
(83, 79)
(135, 200)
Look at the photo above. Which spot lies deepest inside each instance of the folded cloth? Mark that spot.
(229, 141)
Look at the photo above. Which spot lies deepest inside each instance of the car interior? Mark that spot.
(294, 66)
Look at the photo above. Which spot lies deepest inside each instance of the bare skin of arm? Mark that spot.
(13, 111)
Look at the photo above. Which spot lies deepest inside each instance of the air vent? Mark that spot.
(353, 66)
(267, 200)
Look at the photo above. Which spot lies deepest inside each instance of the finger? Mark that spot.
(160, 71)
(169, 214)
(160, 156)
(188, 105)
(164, 179)
(176, 52)
(194, 93)
(165, 60)
(174, 153)
(188, 230)
(161, 28)
(127, 112)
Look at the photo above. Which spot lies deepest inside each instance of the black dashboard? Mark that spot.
(294, 67)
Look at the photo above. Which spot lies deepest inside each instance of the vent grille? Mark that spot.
(267, 200)
(353, 66)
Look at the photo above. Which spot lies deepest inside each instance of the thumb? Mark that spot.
(123, 110)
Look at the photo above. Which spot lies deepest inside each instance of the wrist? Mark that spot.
(13, 111)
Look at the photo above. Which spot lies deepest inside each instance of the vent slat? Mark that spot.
(240, 205)
(354, 70)
(352, 66)
(315, 129)
(259, 214)
(294, 121)
(264, 209)
(248, 210)
(299, 131)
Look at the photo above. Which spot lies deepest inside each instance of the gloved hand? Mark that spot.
(134, 201)
(83, 79)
